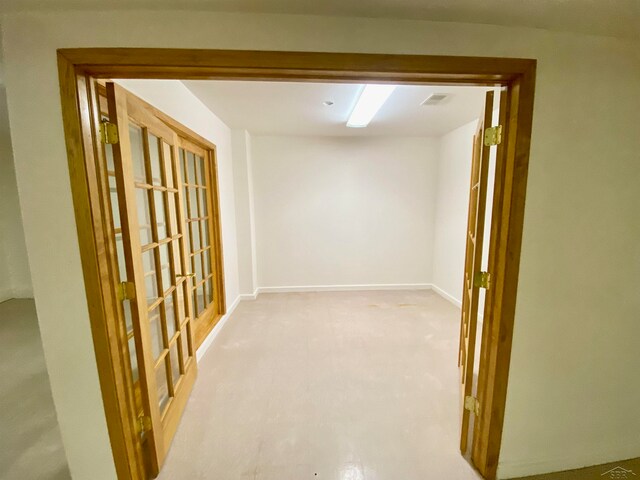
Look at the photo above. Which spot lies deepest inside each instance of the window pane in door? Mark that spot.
(137, 153)
(191, 169)
(195, 236)
(173, 219)
(201, 192)
(205, 233)
(187, 237)
(151, 285)
(169, 309)
(177, 252)
(154, 159)
(185, 344)
(175, 363)
(115, 206)
(197, 258)
(163, 389)
(204, 210)
(157, 344)
(144, 217)
(209, 291)
(168, 163)
(161, 219)
(122, 266)
(133, 359)
(165, 266)
(196, 306)
(193, 202)
(207, 263)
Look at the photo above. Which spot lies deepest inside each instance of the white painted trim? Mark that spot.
(216, 330)
(508, 470)
(454, 300)
(249, 296)
(447, 296)
(342, 288)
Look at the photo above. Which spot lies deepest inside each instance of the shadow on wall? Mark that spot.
(15, 279)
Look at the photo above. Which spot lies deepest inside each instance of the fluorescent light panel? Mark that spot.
(370, 101)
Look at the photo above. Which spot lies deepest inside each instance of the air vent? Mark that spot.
(435, 99)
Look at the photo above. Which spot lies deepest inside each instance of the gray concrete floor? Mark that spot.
(30, 442)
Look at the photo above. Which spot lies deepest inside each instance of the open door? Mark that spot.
(159, 278)
(474, 279)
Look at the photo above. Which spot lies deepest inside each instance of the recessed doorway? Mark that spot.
(79, 68)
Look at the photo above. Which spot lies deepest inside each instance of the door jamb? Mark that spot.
(78, 67)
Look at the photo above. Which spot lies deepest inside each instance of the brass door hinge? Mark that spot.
(143, 423)
(472, 404)
(493, 135)
(108, 132)
(126, 291)
(482, 280)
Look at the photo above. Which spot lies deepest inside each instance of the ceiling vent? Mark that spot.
(435, 99)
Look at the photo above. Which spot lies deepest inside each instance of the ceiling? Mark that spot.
(619, 18)
(287, 108)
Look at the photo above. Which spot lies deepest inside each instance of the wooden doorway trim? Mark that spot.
(78, 67)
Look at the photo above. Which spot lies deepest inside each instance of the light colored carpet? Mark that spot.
(30, 443)
(335, 385)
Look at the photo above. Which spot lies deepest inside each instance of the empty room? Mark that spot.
(351, 259)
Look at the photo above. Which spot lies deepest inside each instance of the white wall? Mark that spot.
(177, 101)
(15, 279)
(344, 211)
(570, 398)
(243, 186)
(452, 205)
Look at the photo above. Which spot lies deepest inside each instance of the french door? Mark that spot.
(202, 239)
(159, 273)
(474, 278)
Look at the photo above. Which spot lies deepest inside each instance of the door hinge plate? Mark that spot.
(482, 280)
(472, 404)
(108, 132)
(126, 291)
(493, 135)
(143, 423)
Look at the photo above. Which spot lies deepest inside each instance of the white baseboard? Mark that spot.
(216, 330)
(343, 288)
(447, 296)
(250, 296)
(507, 470)
(454, 300)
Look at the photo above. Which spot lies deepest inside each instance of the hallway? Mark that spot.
(332, 385)
(30, 444)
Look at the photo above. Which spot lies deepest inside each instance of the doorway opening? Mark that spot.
(79, 72)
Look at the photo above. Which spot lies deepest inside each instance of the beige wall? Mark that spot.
(15, 279)
(571, 399)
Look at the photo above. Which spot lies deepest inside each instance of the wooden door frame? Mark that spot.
(78, 67)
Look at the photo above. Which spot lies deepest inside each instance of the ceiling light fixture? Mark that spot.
(371, 99)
